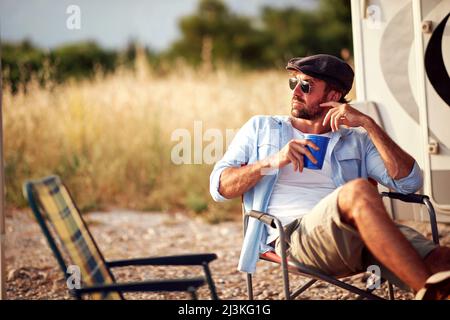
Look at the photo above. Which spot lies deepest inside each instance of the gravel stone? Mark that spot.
(33, 273)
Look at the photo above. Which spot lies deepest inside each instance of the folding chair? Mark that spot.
(289, 266)
(57, 214)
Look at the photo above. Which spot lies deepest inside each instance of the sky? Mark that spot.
(111, 23)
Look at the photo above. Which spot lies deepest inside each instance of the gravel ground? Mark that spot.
(32, 271)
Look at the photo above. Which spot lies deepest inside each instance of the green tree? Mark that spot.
(291, 32)
(81, 59)
(23, 61)
(335, 21)
(295, 32)
(19, 62)
(214, 33)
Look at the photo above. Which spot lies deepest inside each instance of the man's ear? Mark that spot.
(334, 95)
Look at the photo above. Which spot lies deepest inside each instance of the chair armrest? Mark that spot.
(274, 222)
(154, 285)
(421, 199)
(268, 219)
(263, 217)
(413, 197)
(179, 260)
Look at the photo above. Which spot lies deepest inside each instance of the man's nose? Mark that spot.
(298, 90)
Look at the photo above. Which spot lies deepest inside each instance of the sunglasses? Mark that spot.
(304, 85)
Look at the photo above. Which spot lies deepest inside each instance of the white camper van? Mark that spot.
(402, 62)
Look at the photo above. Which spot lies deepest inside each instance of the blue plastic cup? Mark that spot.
(322, 143)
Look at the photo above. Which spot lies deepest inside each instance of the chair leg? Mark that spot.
(368, 291)
(210, 281)
(432, 214)
(363, 294)
(287, 293)
(373, 289)
(284, 262)
(303, 288)
(391, 291)
(249, 286)
(192, 292)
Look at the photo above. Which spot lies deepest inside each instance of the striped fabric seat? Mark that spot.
(54, 209)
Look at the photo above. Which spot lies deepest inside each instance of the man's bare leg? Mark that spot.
(361, 206)
(438, 259)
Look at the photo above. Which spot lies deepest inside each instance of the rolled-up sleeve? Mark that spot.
(377, 170)
(237, 154)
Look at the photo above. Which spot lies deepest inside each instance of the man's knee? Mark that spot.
(356, 191)
(355, 196)
(438, 259)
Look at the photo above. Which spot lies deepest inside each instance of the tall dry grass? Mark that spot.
(109, 138)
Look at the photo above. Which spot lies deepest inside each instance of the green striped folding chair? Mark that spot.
(58, 215)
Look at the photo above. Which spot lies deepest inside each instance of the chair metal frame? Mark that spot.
(189, 285)
(289, 266)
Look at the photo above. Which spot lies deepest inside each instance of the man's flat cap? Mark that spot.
(325, 67)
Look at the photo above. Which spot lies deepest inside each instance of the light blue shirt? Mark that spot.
(354, 156)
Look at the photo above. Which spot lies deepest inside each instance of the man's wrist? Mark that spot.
(265, 163)
(367, 123)
(266, 166)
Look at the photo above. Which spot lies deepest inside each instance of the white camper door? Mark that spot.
(436, 57)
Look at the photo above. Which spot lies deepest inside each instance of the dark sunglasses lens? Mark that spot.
(293, 83)
(305, 86)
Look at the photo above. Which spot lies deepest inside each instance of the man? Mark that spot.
(334, 218)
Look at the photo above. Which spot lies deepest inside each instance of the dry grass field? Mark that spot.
(110, 138)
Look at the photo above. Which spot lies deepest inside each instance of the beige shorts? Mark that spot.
(323, 241)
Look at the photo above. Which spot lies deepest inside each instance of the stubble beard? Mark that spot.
(306, 114)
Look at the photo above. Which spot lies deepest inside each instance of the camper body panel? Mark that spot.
(390, 42)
